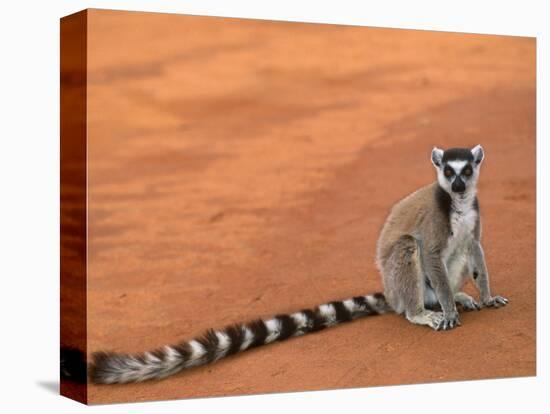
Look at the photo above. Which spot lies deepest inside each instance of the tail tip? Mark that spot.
(73, 365)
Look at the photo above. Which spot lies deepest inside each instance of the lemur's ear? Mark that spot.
(437, 156)
(478, 154)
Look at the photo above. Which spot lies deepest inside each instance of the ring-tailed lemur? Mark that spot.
(428, 247)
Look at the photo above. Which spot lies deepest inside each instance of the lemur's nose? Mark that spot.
(458, 185)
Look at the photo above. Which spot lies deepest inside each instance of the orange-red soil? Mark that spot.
(241, 168)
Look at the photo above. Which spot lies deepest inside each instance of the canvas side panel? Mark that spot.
(73, 172)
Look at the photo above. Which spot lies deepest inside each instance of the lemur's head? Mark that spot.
(458, 168)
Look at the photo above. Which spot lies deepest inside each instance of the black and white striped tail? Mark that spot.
(111, 368)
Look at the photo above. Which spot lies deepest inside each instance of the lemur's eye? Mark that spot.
(467, 171)
(448, 172)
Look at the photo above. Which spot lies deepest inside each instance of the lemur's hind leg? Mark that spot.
(404, 284)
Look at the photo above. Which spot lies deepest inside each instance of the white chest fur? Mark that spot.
(463, 219)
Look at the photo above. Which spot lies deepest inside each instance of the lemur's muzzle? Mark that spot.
(458, 185)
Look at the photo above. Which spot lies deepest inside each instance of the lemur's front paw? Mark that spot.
(466, 302)
(495, 302)
(449, 321)
(470, 305)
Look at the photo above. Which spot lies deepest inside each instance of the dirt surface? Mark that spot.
(241, 168)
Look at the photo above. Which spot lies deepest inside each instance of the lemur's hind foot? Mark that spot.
(427, 317)
(435, 320)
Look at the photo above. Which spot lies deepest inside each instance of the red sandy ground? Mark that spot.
(240, 169)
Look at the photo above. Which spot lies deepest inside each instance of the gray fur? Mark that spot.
(431, 244)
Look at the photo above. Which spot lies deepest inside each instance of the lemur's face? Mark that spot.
(457, 168)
